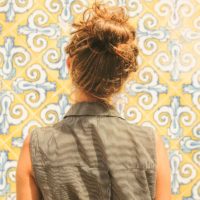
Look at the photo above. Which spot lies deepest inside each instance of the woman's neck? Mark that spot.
(79, 96)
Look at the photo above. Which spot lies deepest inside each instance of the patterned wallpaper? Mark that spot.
(163, 94)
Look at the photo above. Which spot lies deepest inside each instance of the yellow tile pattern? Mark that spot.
(163, 94)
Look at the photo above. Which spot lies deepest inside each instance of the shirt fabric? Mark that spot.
(94, 154)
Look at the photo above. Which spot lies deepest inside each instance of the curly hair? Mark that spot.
(103, 51)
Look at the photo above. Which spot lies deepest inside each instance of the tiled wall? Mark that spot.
(164, 93)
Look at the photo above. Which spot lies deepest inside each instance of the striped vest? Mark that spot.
(94, 154)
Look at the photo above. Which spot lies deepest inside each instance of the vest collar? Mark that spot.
(92, 108)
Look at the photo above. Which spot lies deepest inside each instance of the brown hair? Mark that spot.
(103, 51)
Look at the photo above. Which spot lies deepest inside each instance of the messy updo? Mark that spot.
(102, 50)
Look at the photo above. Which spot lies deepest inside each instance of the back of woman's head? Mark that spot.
(102, 50)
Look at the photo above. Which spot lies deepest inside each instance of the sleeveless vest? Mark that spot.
(94, 154)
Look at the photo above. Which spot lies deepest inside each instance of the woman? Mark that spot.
(94, 153)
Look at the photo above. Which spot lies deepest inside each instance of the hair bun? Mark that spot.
(107, 26)
(95, 44)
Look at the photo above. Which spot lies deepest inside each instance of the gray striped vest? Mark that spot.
(94, 154)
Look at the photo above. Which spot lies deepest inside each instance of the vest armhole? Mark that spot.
(34, 152)
(153, 134)
(154, 138)
(151, 142)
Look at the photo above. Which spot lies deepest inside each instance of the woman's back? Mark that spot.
(94, 153)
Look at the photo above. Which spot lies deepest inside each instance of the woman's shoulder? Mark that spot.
(163, 171)
(146, 134)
